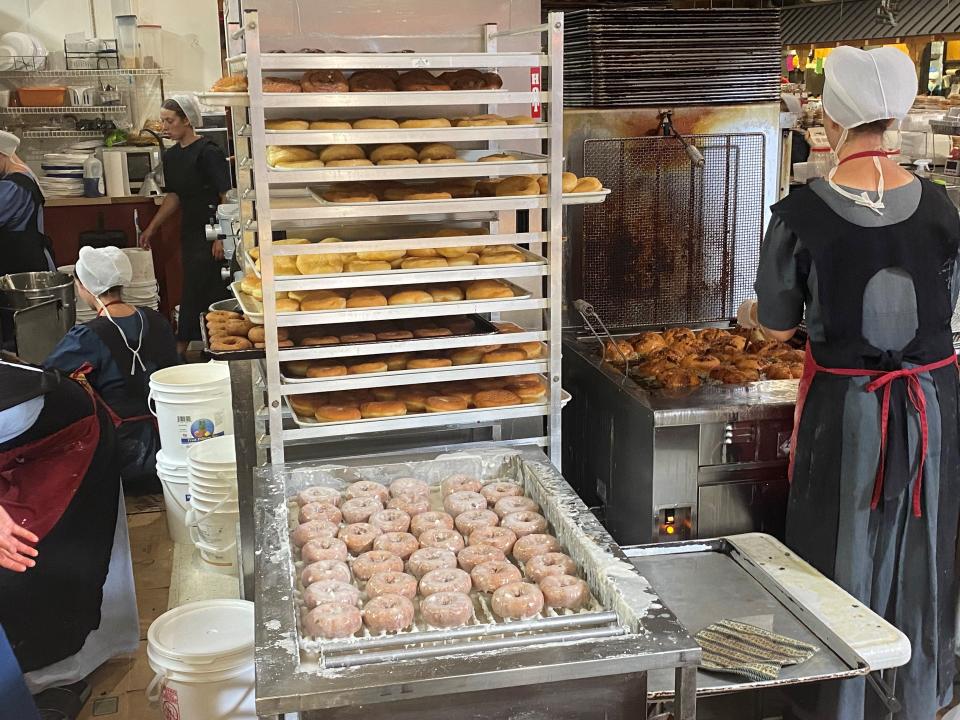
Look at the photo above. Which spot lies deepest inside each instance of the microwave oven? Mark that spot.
(134, 163)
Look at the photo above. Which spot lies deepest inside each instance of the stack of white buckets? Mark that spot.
(142, 289)
(197, 464)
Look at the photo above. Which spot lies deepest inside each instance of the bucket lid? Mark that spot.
(215, 451)
(203, 632)
(171, 465)
(193, 374)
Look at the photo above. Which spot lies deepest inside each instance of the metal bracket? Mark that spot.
(885, 692)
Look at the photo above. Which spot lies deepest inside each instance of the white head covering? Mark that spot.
(862, 86)
(8, 143)
(191, 108)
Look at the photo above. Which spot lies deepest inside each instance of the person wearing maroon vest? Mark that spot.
(868, 258)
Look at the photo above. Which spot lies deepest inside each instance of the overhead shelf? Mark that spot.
(398, 99)
(65, 110)
(398, 61)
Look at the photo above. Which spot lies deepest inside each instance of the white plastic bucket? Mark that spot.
(142, 263)
(192, 404)
(176, 496)
(217, 530)
(202, 657)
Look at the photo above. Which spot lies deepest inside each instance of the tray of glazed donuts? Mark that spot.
(379, 81)
(297, 157)
(457, 400)
(686, 358)
(437, 123)
(228, 335)
(425, 553)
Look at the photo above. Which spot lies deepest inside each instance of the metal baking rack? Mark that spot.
(268, 205)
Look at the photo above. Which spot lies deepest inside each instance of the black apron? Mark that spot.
(904, 566)
(138, 438)
(23, 250)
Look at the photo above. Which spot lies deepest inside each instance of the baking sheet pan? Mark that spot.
(467, 158)
(568, 199)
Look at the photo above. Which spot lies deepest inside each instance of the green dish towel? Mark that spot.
(736, 648)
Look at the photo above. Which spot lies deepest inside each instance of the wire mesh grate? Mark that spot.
(673, 243)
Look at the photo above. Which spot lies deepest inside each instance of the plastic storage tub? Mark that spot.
(51, 96)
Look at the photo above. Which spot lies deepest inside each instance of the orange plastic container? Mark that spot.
(47, 96)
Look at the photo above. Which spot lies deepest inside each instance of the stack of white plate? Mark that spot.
(142, 294)
(21, 51)
(63, 174)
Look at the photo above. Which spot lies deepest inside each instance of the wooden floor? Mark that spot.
(119, 686)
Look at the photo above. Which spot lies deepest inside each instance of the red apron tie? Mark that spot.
(882, 380)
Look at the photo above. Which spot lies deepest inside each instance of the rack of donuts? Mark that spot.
(429, 556)
(400, 239)
(681, 357)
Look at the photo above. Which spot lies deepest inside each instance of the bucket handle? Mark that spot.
(203, 516)
(151, 401)
(155, 688)
(194, 530)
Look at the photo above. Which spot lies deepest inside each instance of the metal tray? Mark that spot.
(253, 308)
(739, 590)
(568, 199)
(252, 354)
(530, 259)
(468, 158)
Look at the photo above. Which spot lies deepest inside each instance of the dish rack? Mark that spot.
(275, 199)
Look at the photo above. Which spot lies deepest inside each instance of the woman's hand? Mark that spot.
(216, 247)
(15, 554)
(146, 236)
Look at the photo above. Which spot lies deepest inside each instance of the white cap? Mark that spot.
(863, 86)
(8, 143)
(191, 108)
(99, 269)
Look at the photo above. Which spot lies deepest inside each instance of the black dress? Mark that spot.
(198, 174)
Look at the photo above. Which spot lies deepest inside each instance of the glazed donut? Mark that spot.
(332, 620)
(305, 532)
(496, 398)
(324, 81)
(446, 403)
(336, 413)
(425, 123)
(406, 485)
(368, 488)
(358, 338)
(401, 544)
(700, 363)
(504, 355)
(387, 408)
(320, 511)
(324, 548)
(529, 546)
(517, 600)
(280, 85)
(239, 327)
(360, 509)
(395, 335)
(427, 559)
(495, 491)
(359, 537)
(471, 520)
(430, 520)
(462, 501)
(391, 520)
(374, 366)
(445, 580)
(229, 343)
(316, 341)
(529, 391)
(474, 555)
(500, 537)
(525, 523)
(459, 483)
(319, 494)
(375, 124)
(564, 591)
(392, 583)
(489, 576)
(388, 613)
(376, 561)
(466, 356)
(330, 591)
(551, 563)
(428, 363)
(222, 315)
(420, 80)
(512, 504)
(432, 332)
(325, 570)
(447, 610)
(410, 503)
(442, 538)
(371, 81)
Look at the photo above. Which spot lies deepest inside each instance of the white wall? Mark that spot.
(191, 35)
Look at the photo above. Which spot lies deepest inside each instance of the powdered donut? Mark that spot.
(431, 520)
(410, 503)
(319, 494)
(517, 600)
(525, 523)
(305, 532)
(472, 520)
(401, 544)
(458, 483)
(489, 576)
(565, 591)
(551, 563)
(325, 570)
(445, 580)
(474, 555)
(376, 561)
(359, 537)
(388, 613)
(428, 559)
(500, 537)
(462, 501)
(507, 505)
(391, 520)
(438, 537)
(447, 610)
(367, 488)
(332, 620)
(529, 546)
(330, 591)
(403, 486)
(499, 490)
(324, 548)
(360, 509)
(320, 511)
(392, 583)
